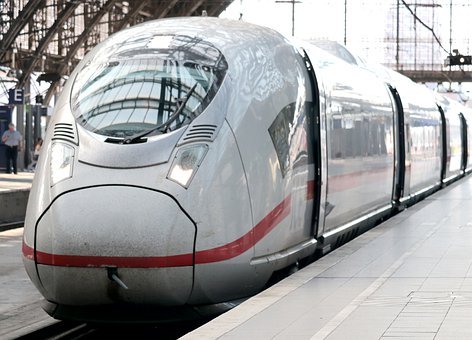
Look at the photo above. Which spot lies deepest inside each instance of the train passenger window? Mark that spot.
(155, 81)
(290, 124)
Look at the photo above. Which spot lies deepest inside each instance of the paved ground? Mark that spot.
(20, 310)
(408, 278)
(14, 192)
(10, 182)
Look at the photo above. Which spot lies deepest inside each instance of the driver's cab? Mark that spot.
(147, 85)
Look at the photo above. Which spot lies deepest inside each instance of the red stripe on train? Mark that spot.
(221, 253)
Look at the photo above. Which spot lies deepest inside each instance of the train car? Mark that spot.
(190, 159)
(467, 135)
(357, 124)
(419, 140)
(455, 139)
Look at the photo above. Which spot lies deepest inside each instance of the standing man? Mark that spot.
(13, 141)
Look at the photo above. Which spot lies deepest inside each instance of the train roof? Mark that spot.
(229, 36)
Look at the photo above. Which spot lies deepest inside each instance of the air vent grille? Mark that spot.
(199, 132)
(64, 131)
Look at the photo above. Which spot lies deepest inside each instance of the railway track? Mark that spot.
(71, 331)
(11, 225)
(61, 330)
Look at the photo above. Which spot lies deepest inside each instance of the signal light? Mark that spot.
(458, 59)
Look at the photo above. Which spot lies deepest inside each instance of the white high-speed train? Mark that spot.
(189, 159)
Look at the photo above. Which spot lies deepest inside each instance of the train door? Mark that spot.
(444, 144)
(465, 148)
(314, 126)
(400, 147)
(452, 141)
(468, 132)
(294, 133)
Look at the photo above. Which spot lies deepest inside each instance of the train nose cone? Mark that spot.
(142, 234)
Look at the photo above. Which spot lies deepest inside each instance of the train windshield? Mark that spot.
(150, 88)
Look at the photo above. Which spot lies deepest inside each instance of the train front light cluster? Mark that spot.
(62, 162)
(186, 162)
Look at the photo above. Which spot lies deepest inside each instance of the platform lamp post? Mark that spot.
(28, 135)
(293, 2)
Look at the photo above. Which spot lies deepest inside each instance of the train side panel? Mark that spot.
(423, 150)
(453, 138)
(422, 132)
(360, 145)
(468, 130)
(274, 142)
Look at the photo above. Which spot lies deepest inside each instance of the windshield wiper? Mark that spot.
(163, 127)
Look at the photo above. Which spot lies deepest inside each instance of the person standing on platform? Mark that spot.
(13, 141)
(37, 149)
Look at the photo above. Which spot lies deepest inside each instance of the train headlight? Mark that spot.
(62, 161)
(186, 162)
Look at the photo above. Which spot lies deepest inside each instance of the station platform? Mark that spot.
(410, 277)
(12, 182)
(20, 309)
(14, 192)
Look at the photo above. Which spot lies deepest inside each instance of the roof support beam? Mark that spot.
(163, 13)
(192, 9)
(438, 76)
(216, 9)
(61, 18)
(195, 7)
(73, 49)
(23, 18)
(85, 33)
(137, 10)
(132, 14)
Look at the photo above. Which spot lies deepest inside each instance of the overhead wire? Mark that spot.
(426, 26)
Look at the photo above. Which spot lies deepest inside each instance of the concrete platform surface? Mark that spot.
(22, 180)
(20, 310)
(14, 192)
(408, 278)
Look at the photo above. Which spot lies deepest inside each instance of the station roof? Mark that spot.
(51, 36)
